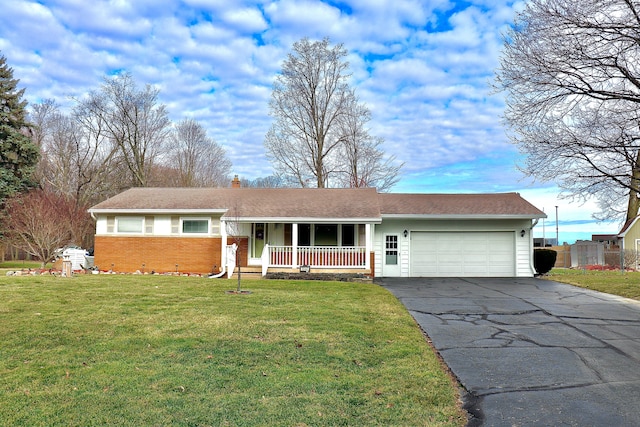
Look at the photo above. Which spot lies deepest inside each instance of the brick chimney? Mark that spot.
(236, 182)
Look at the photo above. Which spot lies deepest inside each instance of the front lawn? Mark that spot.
(157, 350)
(22, 264)
(625, 284)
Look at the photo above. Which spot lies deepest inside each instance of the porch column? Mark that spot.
(294, 246)
(368, 245)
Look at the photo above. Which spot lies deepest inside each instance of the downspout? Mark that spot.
(223, 250)
(234, 248)
(222, 273)
(533, 224)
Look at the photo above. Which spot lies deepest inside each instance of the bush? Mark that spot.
(544, 260)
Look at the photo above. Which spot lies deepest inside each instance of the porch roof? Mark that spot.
(260, 204)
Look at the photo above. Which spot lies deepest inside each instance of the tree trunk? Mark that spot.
(634, 202)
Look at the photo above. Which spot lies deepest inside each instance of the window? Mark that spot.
(200, 226)
(288, 234)
(130, 224)
(304, 234)
(326, 235)
(348, 235)
(391, 250)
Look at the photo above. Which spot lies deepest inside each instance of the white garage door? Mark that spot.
(470, 254)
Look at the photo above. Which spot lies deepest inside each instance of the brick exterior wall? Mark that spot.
(161, 254)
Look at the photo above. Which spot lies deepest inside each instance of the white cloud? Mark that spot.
(115, 20)
(249, 20)
(296, 19)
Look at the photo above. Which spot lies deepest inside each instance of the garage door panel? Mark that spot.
(488, 254)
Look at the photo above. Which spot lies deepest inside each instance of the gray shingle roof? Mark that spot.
(498, 204)
(251, 202)
(296, 203)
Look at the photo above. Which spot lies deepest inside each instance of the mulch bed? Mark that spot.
(339, 277)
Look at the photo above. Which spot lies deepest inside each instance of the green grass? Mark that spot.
(8, 265)
(159, 351)
(625, 284)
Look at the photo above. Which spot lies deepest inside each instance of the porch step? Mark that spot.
(248, 273)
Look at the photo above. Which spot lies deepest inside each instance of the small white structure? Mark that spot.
(76, 256)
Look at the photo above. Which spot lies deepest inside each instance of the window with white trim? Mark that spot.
(129, 224)
(195, 226)
(391, 250)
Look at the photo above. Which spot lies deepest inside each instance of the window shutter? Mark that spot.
(215, 226)
(111, 223)
(175, 225)
(148, 225)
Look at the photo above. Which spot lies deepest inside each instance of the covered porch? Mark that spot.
(293, 246)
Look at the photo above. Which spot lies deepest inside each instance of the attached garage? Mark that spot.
(455, 235)
(453, 254)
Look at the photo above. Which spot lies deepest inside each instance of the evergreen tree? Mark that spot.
(18, 154)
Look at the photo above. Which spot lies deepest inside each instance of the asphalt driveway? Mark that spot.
(532, 352)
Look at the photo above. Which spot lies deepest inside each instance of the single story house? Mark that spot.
(322, 230)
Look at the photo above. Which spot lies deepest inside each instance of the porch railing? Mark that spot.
(318, 256)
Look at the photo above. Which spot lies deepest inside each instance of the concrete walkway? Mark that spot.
(532, 352)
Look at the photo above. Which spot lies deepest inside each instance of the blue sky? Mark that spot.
(424, 69)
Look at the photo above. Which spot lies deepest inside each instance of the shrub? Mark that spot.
(544, 260)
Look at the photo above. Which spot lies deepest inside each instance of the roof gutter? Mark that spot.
(463, 216)
(156, 211)
(305, 220)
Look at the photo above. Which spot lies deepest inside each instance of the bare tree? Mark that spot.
(364, 163)
(319, 136)
(39, 222)
(200, 161)
(40, 117)
(77, 159)
(135, 123)
(271, 181)
(100, 165)
(571, 75)
(308, 99)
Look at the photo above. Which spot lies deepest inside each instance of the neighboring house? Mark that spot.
(323, 230)
(629, 236)
(609, 240)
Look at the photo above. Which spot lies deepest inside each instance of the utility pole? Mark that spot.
(557, 238)
(544, 237)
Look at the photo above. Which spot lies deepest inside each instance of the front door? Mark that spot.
(391, 256)
(259, 236)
